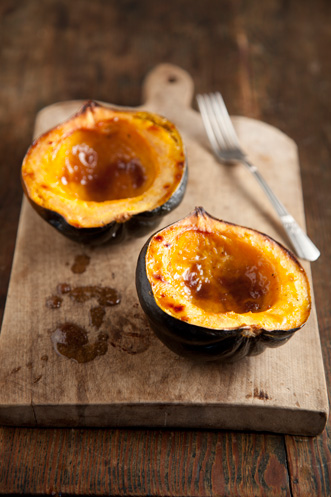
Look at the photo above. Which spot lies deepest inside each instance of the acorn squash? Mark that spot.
(213, 290)
(106, 172)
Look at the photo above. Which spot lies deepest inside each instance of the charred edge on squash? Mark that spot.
(58, 220)
(201, 211)
(181, 337)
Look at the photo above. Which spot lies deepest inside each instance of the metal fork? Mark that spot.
(226, 146)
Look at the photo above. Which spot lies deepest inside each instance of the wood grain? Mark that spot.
(271, 60)
(171, 391)
(142, 462)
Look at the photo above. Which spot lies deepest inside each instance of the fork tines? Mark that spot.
(217, 122)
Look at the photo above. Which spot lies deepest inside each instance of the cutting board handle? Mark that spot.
(166, 85)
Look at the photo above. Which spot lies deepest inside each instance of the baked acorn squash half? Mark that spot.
(213, 290)
(106, 172)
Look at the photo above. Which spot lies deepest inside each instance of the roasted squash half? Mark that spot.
(213, 290)
(106, 172)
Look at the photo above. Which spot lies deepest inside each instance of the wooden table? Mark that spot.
(272, 62)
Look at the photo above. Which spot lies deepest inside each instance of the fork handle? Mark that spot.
(302, 244)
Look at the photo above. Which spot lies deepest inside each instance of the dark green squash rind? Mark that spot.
(138, 225)
(197, 342)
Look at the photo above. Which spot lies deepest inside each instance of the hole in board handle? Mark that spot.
(172, 78)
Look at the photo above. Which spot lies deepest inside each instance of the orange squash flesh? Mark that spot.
(217, 275)
(104, 165)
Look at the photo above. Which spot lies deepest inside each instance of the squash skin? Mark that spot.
(116, 232)
(127, 224)
(197, 342)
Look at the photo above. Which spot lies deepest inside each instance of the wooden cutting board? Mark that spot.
(129, 378)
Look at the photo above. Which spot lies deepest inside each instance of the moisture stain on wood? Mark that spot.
(130, 336)
(15, 370)
(258, 394)
(80, 263)
(37, 378)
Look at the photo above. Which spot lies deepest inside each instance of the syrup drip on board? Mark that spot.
(72, 341)
(105, 296)
(80, 264)
(63, 288)
(97, 315)
(54, 302)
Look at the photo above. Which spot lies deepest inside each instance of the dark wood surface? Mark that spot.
(271, 60)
